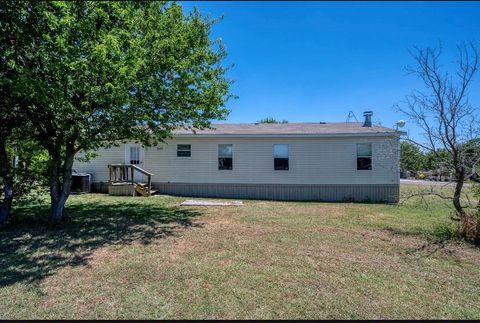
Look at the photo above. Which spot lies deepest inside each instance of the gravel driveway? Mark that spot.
(428, 183)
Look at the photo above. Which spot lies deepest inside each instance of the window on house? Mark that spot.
(184, 150)
(364, 156)
(280, 157)
(134, 155)
(225, 157)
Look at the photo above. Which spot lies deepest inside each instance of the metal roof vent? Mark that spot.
(368, 118)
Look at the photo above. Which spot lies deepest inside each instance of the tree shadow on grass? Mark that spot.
(31, 249)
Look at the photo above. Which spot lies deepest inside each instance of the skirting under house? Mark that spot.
(332, 193)
(288, 192)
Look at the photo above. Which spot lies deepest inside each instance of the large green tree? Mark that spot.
(7, 122)
(6, 180)
(411, 157)
(96, 73)
(14, 39)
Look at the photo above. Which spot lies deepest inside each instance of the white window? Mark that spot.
(364, 156)
(225, 157)
(134, 155)
(184, 150)
(280, 157)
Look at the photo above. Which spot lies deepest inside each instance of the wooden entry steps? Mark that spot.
(144, 190)
(122, 181)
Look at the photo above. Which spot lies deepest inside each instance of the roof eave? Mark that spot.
(330, 135)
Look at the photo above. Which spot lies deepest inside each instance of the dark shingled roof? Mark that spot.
(300, 128)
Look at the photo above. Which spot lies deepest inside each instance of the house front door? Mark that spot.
(134, 155)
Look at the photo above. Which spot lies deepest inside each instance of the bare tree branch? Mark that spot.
(443, 112)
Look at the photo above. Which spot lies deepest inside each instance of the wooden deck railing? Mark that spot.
(125, 173)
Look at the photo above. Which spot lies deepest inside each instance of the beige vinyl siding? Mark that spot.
(97, 167)
(311, 161)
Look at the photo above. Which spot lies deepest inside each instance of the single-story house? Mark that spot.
(320, 161)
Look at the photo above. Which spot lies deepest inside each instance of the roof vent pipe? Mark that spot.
(368, 118)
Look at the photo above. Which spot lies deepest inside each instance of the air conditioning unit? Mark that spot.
(80, 183)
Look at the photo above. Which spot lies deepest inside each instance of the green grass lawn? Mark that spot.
(132, 258)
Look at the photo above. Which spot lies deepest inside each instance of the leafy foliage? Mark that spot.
(28, 171)
(91, 74)
(107, 71)
(446, 231)
(271, 120)
(411, 157)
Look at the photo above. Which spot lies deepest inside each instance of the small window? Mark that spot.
(364, 156)
(184, 150)
(225, 157)
(280, 157)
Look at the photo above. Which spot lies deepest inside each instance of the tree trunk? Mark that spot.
(460, 177)
(5, 173)
(57, 208)
(60, 186)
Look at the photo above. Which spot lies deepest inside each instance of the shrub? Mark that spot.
(470, 228)
(446, 231)
(470, 223)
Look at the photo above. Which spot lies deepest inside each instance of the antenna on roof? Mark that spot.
(351, 116)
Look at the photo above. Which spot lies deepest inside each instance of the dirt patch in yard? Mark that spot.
(179, 248)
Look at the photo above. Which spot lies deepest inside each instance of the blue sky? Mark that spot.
(316, 61)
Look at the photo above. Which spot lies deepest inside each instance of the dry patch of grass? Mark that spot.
(262, 260)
